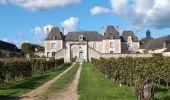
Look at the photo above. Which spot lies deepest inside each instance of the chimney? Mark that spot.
(148, 34)
(47, 30)
(63, 30)
(102, 30)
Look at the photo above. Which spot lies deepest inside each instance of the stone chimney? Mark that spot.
(102, 30)
(47, 30)
(63, 30)
(148, 34)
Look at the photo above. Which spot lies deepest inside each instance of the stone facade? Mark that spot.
(116, 46)
(52, 46)
(82, 46)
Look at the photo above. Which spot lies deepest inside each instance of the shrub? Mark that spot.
(10, 69)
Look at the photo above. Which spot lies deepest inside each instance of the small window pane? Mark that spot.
(53, 45)
(53, 54)
(48, 54)
(111, 44)
(111, 52)
(94, 45)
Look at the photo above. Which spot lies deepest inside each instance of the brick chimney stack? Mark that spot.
(102, 30)
(47, 30)
(63, 30)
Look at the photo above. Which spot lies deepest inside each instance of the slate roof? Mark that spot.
(124, 47)
(111, 33)
(88, 36)
(8, 46)
(126, 34)
(156, 43)
(145, 43)
(55, 34)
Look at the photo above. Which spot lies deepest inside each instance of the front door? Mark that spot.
(81, 58)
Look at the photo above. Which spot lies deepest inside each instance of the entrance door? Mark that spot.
(81, 58)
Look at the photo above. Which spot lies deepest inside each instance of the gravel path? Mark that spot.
(70, 91)
(37, 93)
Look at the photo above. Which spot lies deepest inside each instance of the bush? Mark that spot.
(10, 69)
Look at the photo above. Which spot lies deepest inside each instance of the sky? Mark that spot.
(27, 20)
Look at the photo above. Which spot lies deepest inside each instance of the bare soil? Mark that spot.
(37, 93)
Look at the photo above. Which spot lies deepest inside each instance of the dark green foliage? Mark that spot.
(136, 72)
(10, 69)
(27, 48)
(11, 89)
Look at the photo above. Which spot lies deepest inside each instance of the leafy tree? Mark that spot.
(28, 48)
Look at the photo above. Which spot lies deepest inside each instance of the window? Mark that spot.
(94, 45)
(48, 54)
(111, 44)
(80, 37)
(53, 54)
(129, 47)
(53, 45)
(111, 51)
(167, 44)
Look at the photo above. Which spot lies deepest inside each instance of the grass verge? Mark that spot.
(22, 86)
(162, 93)
(94, 86)
(63, 80)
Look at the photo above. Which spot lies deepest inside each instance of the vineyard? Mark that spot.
(141, 75)
(10, 69)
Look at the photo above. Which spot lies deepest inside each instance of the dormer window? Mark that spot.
(55, 37)
(80, 37)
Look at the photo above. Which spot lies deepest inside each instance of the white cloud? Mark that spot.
(5, 39)
(41, 33)
(70, 24)
(119, 6)
(47, 26)
(99, 10)
(38, 32)
(143, 13)
(2, 1)
(152, 13)
(43, 4)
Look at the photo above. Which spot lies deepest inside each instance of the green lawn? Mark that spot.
(22, 86)
(63, 80)
(94, 86)
(162, 93)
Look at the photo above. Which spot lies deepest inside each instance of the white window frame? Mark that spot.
(111, 45)
(94, 45)
(53, 45)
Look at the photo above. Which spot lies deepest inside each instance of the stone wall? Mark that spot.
(99, 45)
(95, 54)
(61, 54)
(59, 46)
(135, 46)
(116, 46)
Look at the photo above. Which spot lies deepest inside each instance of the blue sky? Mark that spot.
(26, 20)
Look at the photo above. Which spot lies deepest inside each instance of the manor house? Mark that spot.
(80, 45)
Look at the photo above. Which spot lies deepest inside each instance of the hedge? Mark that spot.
(136, 72)
(10, 69)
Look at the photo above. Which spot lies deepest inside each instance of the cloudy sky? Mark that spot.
(27, 20)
